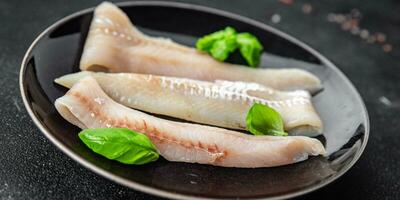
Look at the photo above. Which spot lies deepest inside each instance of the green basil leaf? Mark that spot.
(222, 43)
(120, 144)
(222, 48)
(219, 44)
(263, 120)
(250, 48)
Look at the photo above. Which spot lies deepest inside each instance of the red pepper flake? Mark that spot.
(387, 48)
(354, 23)
(286, 2)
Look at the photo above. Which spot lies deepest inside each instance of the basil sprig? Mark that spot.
(224, 42)
(263, 120)
(120, 144)
(250, 48)
(219, 44)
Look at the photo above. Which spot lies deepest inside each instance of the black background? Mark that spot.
(32, 168)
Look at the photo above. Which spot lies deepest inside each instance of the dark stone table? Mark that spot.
(32, 168)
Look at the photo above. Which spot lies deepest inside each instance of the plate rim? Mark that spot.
(165, 193)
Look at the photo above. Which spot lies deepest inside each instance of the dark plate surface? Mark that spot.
(57, 50)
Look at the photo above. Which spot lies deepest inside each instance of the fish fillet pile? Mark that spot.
(124, 71)
(87, 106)
(115, 45)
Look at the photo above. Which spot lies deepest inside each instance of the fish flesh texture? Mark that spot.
(219, 103)
(87, 106)
(113, 44)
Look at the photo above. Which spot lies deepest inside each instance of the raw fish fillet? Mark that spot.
(222, 103)
(113, 44)
(87, 106)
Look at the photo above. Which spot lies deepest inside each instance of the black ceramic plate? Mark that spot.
(57, 52)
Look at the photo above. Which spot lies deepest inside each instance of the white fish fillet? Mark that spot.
(115, 45)
(222, 103)
(87, 106)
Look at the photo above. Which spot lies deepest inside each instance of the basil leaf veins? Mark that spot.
(120, 144)
(263, 120)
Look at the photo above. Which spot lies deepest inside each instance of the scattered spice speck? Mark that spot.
(355, 13)
(340, 18)
(307, 8)
(286, 2)
(355, 30)
(385, 101)
(346, 26)
(371, 39)
(387, 48)
(331, 17)
(350, 22)
(380, 37)
(275, 18)
(364, 34)
(354, 22)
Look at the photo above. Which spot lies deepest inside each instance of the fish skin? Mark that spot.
(87, 106)
(115, 45)
(220, 103)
